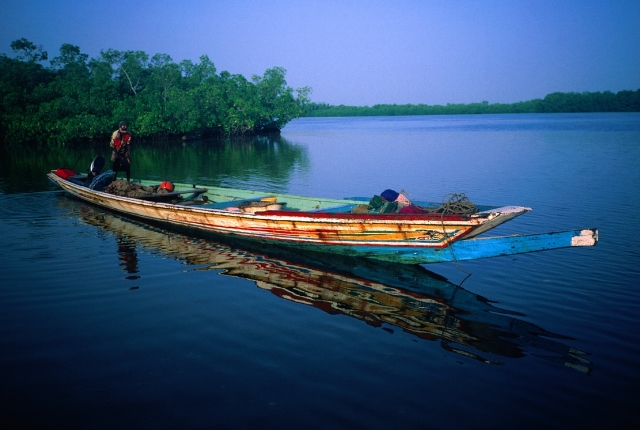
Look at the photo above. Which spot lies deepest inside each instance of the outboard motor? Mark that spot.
(95, 169)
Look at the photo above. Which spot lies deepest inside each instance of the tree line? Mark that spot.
(78, 99)
(623, 101)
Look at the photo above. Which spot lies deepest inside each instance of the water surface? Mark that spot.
(106, 322)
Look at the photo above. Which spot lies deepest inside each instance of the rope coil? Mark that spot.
(455, 204)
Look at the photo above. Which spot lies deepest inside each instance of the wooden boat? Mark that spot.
(327, 225)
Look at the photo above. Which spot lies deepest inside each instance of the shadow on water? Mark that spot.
(409, 298)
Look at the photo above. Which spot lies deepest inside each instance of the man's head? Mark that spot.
(123, 125)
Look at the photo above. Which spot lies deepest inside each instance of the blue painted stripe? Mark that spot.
(464, 249)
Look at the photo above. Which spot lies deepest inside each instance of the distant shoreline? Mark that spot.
(607, 101)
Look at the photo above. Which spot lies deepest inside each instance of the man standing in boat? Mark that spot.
(121, 146)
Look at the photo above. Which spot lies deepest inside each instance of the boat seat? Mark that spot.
(231, 203)
(194, 193)
(336, 209)
(77, 179)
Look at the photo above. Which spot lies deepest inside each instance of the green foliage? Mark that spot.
(80, 99)
(623, 101)
(25, 50)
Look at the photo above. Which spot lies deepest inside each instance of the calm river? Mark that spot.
(108, 323)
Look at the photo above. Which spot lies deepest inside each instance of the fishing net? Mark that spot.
(132, 189)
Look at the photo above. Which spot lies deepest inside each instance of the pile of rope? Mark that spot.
(454, 204)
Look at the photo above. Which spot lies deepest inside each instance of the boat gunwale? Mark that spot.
(330, 217)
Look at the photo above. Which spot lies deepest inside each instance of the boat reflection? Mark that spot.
(405, 297)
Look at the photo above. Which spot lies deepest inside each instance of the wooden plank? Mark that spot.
(342, 208)
(231, 203)
(196, 192)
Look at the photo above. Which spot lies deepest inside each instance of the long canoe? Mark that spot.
(329, 225)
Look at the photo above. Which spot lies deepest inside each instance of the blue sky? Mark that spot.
(364, 52)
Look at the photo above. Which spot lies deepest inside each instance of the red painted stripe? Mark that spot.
(341, 215)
